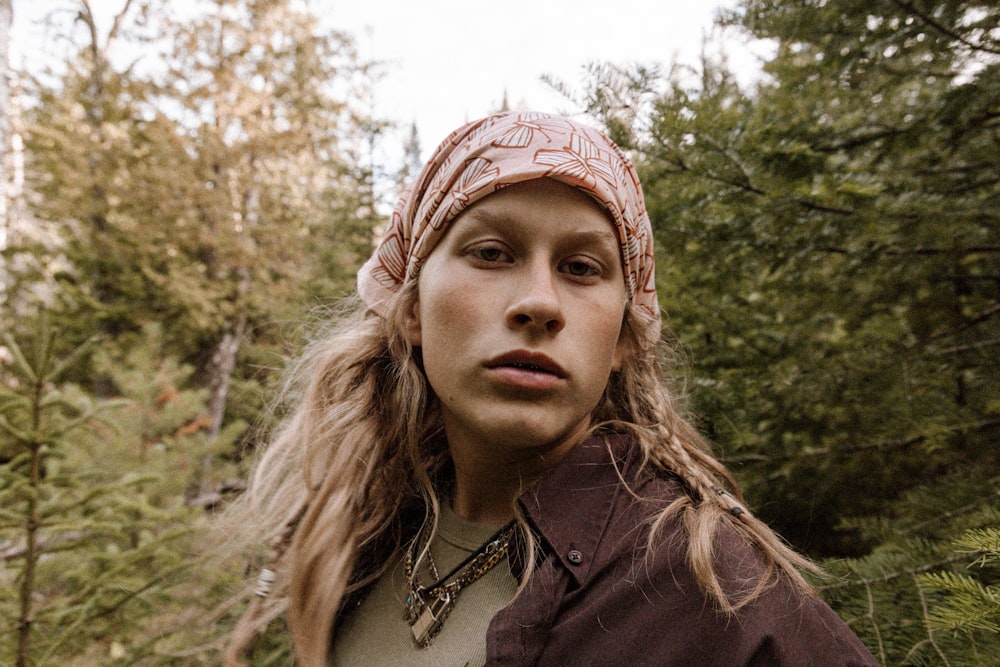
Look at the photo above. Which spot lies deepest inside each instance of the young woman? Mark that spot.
(483, 464)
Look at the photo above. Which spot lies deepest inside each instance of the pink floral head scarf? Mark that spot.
(488, 154)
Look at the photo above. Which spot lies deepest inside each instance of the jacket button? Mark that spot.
(575, 557)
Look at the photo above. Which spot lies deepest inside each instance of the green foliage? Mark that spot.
(895, 596)
(164, 428)
(827, 247)
(831, 265)
(100, 524)
(216, 192)
(85, 544)
(191, 209)
(969, 606)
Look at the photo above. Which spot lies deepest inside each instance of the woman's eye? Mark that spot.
(489, 254)
(580, 269)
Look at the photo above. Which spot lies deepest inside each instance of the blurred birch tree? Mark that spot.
(208, 185)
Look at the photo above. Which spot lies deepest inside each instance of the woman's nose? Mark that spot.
(536, 303)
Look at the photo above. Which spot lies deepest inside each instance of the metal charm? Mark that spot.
(430, 619)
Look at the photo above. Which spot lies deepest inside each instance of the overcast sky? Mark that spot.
(448, 61)
(452, 60)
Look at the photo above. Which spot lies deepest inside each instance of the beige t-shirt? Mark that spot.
(376, 633)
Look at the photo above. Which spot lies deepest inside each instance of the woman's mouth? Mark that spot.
(524, 369)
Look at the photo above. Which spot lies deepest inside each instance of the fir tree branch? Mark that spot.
(968, 324)
(875, 626)
(943, 29)
(908, 572)
(43, 546)
(903, 252)
(958, 349)
(927, 620)
(950, 514)
(861, 447)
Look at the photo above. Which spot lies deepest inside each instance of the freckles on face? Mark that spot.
(519, 316)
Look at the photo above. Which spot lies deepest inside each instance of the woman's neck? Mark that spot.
(483, 496)
(488, 480)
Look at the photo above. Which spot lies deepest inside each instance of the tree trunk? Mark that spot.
(221, 372)
(222, 366)
(6, 162)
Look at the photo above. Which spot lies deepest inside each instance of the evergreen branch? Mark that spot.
(97, 492)
(823, 208)
(867, 446)
(859, 138)
(20, 362)
(871, 617)
(904, 252)
(73, 424)
(982, 539)
(958, 349)
(969, 605)
(88, 616)
(23, 437)
(907, 6)
(961, 169)
(71, 359)
(950, 514)
(10, 401)
(744, 187)
(927, 620)
(968, 324)
(16, 461)
(43, 545)
(908, 572)
(746, 183)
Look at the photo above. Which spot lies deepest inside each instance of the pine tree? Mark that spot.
(98, 544)
(79, 544)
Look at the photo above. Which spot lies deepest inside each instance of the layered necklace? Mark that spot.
(427, 607)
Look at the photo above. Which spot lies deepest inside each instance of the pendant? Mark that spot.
(413, 606)
(428, 621)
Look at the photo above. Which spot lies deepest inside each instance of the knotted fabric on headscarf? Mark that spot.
(486, 155)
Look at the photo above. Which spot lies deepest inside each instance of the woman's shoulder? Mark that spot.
(623, 558)
(783, 624)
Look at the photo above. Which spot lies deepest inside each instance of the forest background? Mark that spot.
(828, 241)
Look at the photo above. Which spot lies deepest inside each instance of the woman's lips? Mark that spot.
(524, 369)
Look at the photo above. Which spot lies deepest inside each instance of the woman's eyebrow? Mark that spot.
(598, 237)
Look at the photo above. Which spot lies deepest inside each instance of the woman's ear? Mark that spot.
(411, 325)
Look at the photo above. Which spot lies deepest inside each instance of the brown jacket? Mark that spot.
(599, 598)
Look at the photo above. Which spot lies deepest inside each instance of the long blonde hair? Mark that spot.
(357, 460)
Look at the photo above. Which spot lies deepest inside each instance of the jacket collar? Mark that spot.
(572, 505)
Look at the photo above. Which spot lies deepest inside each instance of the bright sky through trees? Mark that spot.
(449, 61)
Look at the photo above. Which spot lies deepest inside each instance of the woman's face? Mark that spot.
(519, 318)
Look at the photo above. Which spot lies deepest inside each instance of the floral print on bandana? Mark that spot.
(488, 154)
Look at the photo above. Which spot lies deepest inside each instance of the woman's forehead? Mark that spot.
(539, 190)
(524, 207)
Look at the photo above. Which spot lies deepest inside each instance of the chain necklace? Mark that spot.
(427, 607)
